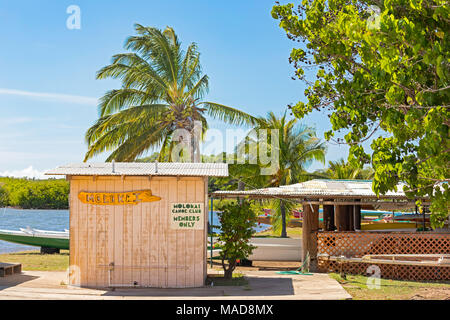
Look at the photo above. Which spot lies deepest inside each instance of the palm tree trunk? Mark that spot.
(195, 132)
(241, 187)
(283, 219)
(192, 147)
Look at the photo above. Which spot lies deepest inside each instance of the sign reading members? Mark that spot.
(186, 216)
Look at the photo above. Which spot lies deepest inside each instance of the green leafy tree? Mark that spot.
(34, 194)
(3, 196)
(162, 90)
(237, 222)
(380, 66)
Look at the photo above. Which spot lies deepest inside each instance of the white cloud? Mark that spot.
(16, 120)
(29, 172)
(11, 156)
(90, 101)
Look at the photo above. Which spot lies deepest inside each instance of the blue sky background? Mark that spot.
(48, 89)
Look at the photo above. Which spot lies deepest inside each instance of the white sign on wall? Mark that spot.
(187, 216)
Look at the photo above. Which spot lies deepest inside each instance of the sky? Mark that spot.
(48, 90)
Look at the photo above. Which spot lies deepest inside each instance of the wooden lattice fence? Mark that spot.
(358, 244)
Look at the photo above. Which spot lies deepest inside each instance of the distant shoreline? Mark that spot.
(20, 208)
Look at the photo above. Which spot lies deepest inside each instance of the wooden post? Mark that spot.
(210, 224)
(309, 233)
(283, 219)
(341, 218)
(357, 215)
(351, 218)
(328, 218)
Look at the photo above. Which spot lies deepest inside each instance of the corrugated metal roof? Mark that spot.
(143, 169)
(319, 188)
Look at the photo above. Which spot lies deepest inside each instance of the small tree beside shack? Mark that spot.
(237, 221)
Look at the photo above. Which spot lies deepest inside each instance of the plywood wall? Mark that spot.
(137, 239)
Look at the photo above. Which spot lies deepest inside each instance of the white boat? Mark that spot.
(32, 237)
(276, 249)
(33, 231)
(215, 253)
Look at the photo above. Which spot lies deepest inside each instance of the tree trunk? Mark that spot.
(241, 187)
(283, 219)
(228, 273)
(192, 146)
(196, 132)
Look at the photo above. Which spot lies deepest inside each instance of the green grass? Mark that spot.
(291, 233)
(238, 279)
(35, 261)
(356, 286)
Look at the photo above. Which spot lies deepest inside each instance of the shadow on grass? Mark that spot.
(391, 283)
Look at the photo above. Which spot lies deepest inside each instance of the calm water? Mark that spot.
(215, 219)
(13, 219)
(55, 220)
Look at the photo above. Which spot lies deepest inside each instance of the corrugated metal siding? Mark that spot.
(143, 169)
(319, 188)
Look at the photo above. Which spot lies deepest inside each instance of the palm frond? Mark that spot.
(228, 114)
(135, 146)
(142, 115)
(190, 67)
(200, 88)
(115, 100)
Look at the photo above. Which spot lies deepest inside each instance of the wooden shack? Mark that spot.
(138, 224)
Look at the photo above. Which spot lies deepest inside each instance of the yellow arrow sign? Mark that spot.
(117, 198)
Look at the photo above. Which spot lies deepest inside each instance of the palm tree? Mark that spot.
(344, 170)
(162, 91)
(297, 147)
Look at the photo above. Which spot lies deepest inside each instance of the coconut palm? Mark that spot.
(162, 91)
(344, 170)
(298, 147)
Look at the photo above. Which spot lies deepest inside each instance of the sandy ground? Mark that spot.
(262, 284)
(432, 294)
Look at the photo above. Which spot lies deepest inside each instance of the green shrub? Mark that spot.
(237, 222)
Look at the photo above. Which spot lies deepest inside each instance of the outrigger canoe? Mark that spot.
(36, 237)
(388, 226)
